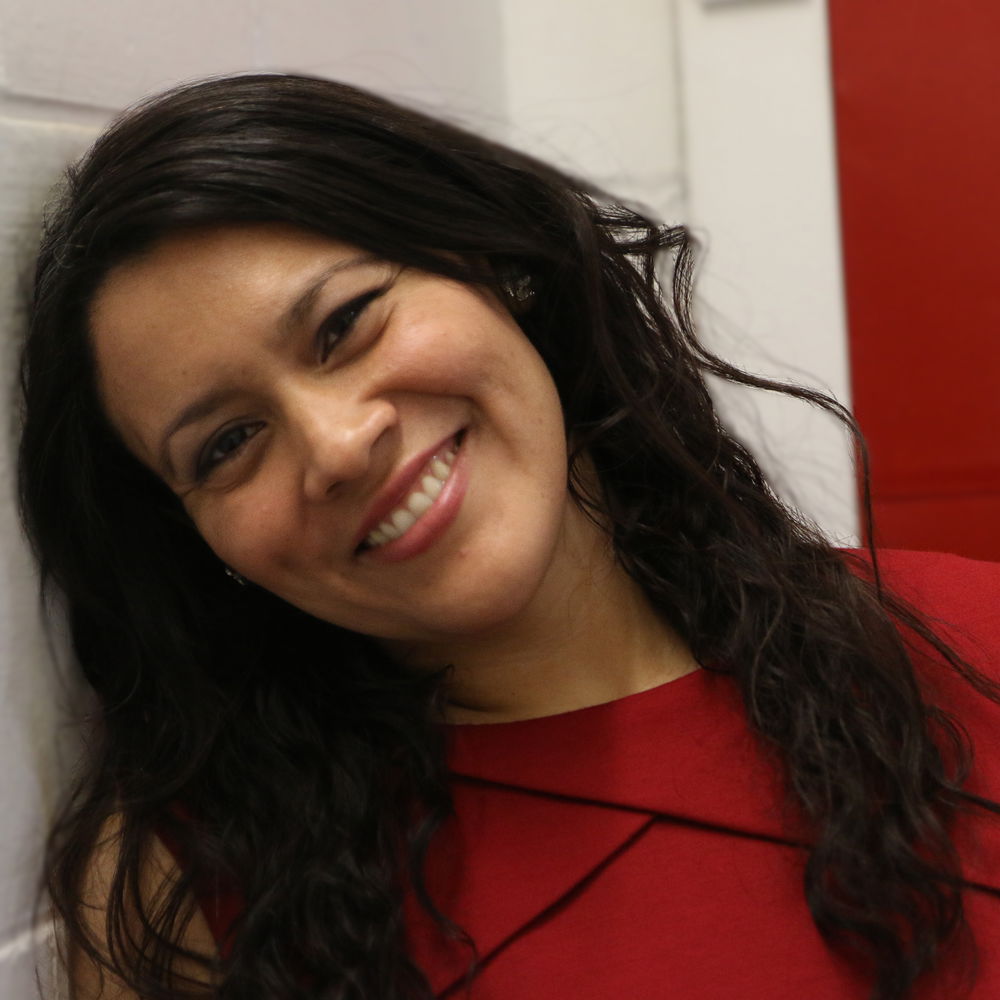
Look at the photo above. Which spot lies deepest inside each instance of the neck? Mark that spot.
(582, 641)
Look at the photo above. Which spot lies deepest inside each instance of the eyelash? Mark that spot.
(330, 333)
(207, 463)
(341, 321)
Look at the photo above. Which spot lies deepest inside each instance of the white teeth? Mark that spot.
(417, 503)
(403, 520)
(431, 486)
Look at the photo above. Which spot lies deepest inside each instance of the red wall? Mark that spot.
(917, 92)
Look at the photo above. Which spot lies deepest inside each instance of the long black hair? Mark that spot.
(291, 759)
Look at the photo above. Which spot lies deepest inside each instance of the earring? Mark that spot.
(520, 291)
(236, 577)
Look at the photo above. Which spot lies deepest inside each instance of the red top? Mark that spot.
(641, 848)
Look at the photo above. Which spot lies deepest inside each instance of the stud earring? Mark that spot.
(520, 291)
(236, 577)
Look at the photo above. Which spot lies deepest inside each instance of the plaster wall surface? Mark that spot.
(108, 53)
(37, 695)
(759, 167)
(595, 92)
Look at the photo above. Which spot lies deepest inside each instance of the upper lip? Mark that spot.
(398, 486)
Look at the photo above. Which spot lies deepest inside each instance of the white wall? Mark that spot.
(31, 697)
(106, 53)
(759, 164)
(594, 91)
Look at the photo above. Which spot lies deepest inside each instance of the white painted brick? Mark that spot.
(445, 54)
(33, 700)
(29, 968)
(17, 978)
(32, 156)
(108, 53)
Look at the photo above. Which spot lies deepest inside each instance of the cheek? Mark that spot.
(458, 343)
(431, 357)
(252, 533)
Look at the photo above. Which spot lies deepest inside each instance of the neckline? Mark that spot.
(682, 748)
(694, 683)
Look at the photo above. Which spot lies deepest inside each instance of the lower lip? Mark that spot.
(434, 521)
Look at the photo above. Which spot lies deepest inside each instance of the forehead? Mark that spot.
(192, 304)
(199, 269)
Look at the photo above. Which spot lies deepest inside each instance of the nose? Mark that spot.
(334, 435)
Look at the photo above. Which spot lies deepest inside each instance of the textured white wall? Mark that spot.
(33, 702)
(106, 53)
(593, 89)
(759, 162)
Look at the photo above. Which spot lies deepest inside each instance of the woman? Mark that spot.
(345, 430)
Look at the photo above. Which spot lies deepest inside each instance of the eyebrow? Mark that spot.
(298, 312)
(293, 317)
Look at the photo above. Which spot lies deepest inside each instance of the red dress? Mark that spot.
(642, 848)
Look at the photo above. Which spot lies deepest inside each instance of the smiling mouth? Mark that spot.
(427, 487)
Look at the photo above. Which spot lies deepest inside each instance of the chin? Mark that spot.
(499, 602)
(480, 616)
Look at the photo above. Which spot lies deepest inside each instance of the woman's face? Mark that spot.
(379, 446)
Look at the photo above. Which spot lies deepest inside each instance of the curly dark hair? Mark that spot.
(322, 824)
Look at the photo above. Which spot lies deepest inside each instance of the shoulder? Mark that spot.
(158, 872)
(958, 597)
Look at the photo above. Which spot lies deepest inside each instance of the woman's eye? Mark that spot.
(224, 447)
(341, 321)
